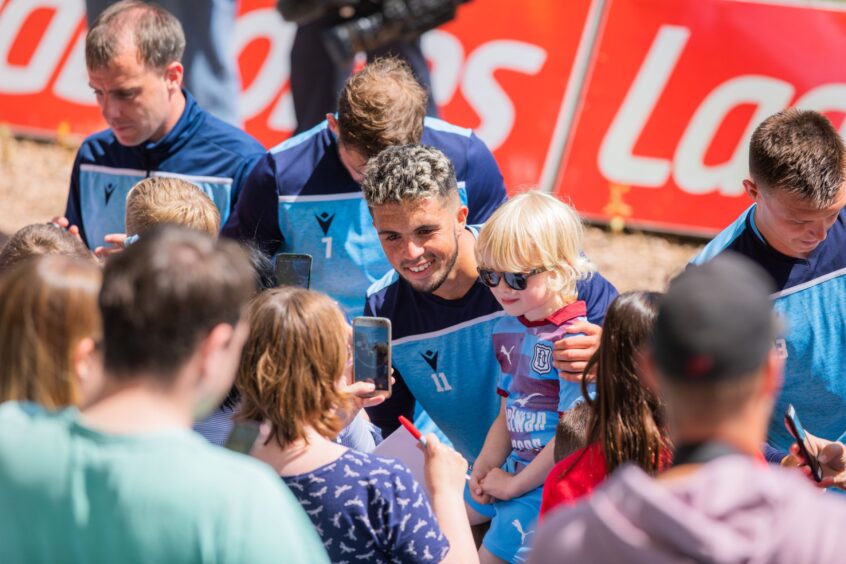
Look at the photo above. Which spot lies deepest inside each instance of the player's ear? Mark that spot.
(332, 123)
(752, 190)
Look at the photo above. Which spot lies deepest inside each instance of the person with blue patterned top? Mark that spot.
(365, 508)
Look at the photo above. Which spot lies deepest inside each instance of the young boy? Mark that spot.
(163, 199)
(529, 255)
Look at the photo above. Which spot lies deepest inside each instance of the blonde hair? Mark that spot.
(296, 354)
(535, 231)
(48, 305)
(162, 199)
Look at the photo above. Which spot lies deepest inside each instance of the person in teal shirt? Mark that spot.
(127, 480)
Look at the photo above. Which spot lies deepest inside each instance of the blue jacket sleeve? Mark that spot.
(772, 454)
(73, 209)
(256, 213)
(597, 293)
(248, 163)
(484, 184)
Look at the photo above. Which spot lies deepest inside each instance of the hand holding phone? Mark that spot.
(794, 427)
(372, 353)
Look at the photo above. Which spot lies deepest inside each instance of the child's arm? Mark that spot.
(503, 485)
(494, 452)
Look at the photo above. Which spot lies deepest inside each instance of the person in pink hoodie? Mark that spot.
(714, 363)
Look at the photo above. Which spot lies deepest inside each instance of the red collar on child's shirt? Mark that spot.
(567, 313)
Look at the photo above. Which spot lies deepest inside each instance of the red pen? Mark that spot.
(415, 432)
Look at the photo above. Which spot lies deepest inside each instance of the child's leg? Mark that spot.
(477, 513)
(512, 528)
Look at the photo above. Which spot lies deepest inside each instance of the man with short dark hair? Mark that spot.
(133, 53)
(442, 316)
(796, 230)
(305, 196)
(713, 359)
(127, 481)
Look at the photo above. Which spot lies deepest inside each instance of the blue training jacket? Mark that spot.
(811, 296)
(301, 199)
(200, 148)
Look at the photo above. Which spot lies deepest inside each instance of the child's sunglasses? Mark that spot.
(514, 280)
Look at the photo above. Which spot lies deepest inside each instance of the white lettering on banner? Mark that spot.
(275, 70)
(485, 94)
(72, 84)
(33, 77)
(446, 55)
(617, 161)
(690, 172)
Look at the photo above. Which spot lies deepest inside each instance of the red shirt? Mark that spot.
(573, 477)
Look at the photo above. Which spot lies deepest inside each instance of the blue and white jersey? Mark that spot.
(301, 199)
(534, 393)
(443, 356)
(370, 509)
(200, 148)
(811, 296)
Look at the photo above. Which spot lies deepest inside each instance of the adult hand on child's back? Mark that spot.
(572, 354)
(445, 470)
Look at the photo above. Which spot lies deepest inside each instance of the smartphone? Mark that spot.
(794, 427)
(293, 269)
(372, 353)
(242, 437)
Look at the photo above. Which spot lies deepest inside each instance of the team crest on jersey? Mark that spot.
(431, 358)
(542, 359)
(325, 221)
(110, 189)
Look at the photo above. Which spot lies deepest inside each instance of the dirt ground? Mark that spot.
(34, 183)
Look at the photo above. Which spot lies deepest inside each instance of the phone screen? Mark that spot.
(794, 427)
(371, 352)
(242, 437)
(293, 270)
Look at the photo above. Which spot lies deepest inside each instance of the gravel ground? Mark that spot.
(33, 188)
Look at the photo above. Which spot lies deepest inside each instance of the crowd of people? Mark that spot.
(565, 422)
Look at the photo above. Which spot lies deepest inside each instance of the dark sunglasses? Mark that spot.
(514, 280)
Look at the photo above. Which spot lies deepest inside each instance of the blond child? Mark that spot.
(529, 255)
(163, 199)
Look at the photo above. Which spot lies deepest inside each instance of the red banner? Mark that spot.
(675, 91)
(500, 68)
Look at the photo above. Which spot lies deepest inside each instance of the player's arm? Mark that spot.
(483, 182)
(256, 215)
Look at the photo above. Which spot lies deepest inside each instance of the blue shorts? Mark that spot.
(513, 522)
